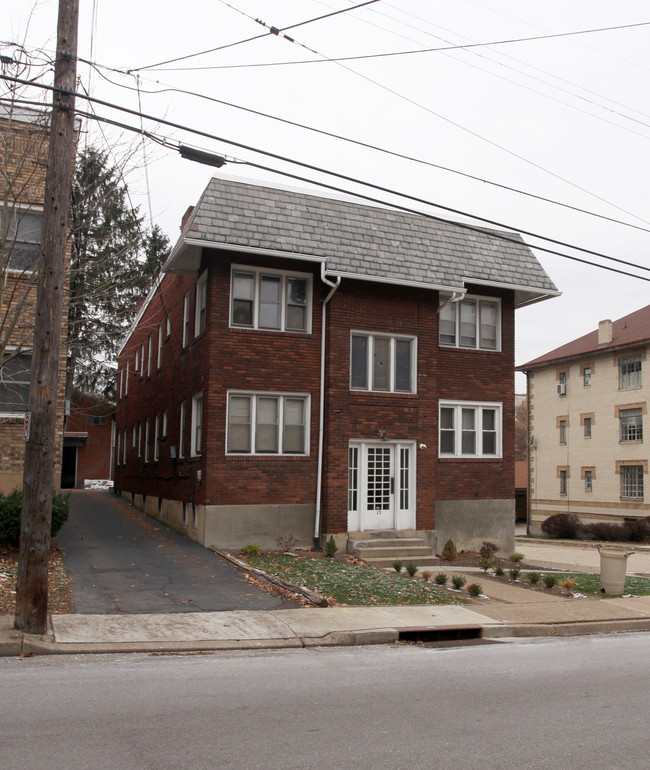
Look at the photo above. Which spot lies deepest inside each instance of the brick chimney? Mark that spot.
(186, 216)
(604, 332)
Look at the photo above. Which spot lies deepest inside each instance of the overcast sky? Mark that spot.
(564, 117)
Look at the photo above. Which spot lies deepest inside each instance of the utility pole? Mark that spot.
(38, 475)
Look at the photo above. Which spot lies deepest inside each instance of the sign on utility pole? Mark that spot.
(38, 474)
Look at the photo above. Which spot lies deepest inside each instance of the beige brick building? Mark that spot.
(588, 402)
(24, 144)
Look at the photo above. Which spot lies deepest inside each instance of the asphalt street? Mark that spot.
(574, 704)
(122, 561)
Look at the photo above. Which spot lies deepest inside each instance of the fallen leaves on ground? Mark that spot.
(59, 594)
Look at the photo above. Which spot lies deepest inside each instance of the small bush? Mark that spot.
(249, 550)
(449, 552)
(550, 580)
(411, 568)
(330, 548)
(514, 572)
(516, 557)
(287, 543)
(484, 563)
(534, 577)
(474, 589)
(458, 581)
(567, 584)
(10, 510)
(628, 531)
(498, 570)
(565, 526)
(441, 579)
(397, 566)
(488, 549)
(426, 575)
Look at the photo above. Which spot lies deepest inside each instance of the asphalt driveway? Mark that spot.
(122, 561)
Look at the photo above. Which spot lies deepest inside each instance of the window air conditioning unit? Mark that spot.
(561, 389)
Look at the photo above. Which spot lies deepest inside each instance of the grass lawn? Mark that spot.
(590, 583)
(352, 584)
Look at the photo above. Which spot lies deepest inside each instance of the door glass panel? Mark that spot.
(404, 471)
(378, 479)
(353, 479)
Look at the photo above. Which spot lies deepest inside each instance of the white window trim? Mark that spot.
(146, 440)
(623, 473)
(149, 357)
(255, 394)
(181, 431)
(23, 352)
(201, 304)
(284, 274)
(160, 344)
(186, 320)
(372, 336)
(478, 406)
(456, 305)
(156, 439)
(195, 451)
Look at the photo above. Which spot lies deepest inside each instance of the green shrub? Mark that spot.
(516, 557)
(397, 565)
(330, 548)
(441, 579)
(484, 563)
(514, 572)
(449, 552)
(534, 577)
(249, 550)
(10, 510)
(474, 589)
(458, 581)
(488, 549)
(411, 568)
(498, 570)
(550, 580)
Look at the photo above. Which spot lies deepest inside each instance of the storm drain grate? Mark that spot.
(440, 633)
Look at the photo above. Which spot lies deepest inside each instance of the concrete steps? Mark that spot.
(382, 549)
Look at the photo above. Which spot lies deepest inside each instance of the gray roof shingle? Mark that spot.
(359, 240)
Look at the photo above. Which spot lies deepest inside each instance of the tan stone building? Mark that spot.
(588, 401)
(24, 144)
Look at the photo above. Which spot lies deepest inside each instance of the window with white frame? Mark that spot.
(139, 440)
(470, 429)
(168, 330)
(200, 308)
(473, 322)
(134, 436)
(136, 363)
(186, 320)
(268, 423)
(631, 421)
(629, 372)
(156, 439)
(197, 425)
(124, 446)
(181, 431)
(382, 362)
(160, 346)
(632, 481)
(164, 424)
(586, 376)
(126, 379)
(22, 237)
(270, 299)
(149, 357)
(15, 374)
(146, 441)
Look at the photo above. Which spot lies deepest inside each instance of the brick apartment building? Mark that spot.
(307, 366)
(87, 440)
(24, 143)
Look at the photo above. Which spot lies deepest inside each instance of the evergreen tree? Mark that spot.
(114, 262)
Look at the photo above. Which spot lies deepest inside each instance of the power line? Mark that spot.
(354, 180)
(369, 146)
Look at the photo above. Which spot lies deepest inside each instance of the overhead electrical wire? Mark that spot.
(376, 148)
(370, 185)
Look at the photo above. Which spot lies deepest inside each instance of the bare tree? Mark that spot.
(521, 430)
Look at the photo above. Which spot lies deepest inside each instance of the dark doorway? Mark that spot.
(69, 467)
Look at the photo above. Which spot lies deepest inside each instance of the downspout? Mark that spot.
(456, 296)
(334, 285)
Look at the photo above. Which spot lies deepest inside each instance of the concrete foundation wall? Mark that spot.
(232, 526)
(469, 522)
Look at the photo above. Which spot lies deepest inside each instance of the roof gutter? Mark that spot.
(456, 296)
(334, 285)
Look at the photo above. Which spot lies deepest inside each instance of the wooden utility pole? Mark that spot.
(38, 475)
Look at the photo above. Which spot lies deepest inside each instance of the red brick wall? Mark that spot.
(224, 358)
(94, 455)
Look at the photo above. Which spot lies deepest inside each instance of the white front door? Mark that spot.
(381, 486)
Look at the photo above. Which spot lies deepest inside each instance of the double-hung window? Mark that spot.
(160, 346)
(270, 299)
(631, 421)
(268, 423)
(632, 481)
(470, 429)
(186, 320)
(629, 372)
(201, 304)
(15, 373)
(181, 431)
(197, 425)
(472, 322)
(382, 362)
(22, 238)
